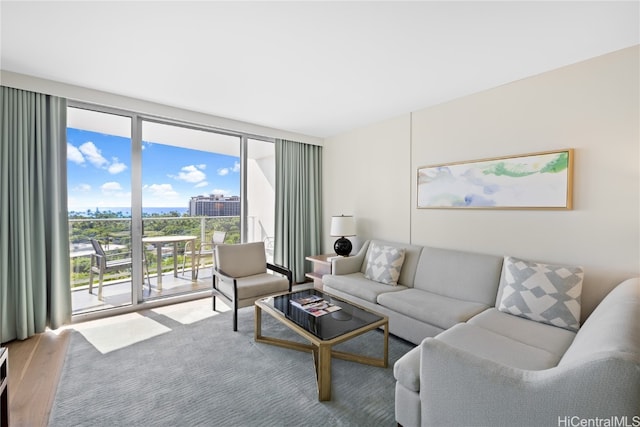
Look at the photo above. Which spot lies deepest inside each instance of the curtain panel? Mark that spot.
(34, 236)
(298, 220)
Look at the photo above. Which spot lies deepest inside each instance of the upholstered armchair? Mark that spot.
(241, 276)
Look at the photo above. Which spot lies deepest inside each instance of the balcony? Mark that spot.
(115, 237)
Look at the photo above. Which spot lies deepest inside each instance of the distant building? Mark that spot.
(214, 205)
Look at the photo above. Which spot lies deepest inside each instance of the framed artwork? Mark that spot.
(528, 181)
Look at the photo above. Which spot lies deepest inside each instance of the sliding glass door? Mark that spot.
(190, 191)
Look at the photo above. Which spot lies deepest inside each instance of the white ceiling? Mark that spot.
(316, 68)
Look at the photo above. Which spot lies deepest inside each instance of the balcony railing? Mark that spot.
(114, 234)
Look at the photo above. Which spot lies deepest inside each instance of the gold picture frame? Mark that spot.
(541, 180)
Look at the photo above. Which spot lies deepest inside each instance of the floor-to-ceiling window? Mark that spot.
(153, 193)
(99, 203)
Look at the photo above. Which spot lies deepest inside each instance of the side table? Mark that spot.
(4, 390)
(321, 266)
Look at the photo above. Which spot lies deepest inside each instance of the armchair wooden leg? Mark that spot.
(213, 298)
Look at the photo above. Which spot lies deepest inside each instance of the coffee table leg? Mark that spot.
(257, 327)
(324, 372)
(386, 345)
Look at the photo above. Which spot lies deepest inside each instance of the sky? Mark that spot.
(99, 172)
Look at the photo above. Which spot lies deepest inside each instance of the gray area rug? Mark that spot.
(204, 374)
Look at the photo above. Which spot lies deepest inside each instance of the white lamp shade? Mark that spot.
(343, 226)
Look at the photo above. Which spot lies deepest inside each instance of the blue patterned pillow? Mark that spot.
(384, 264)
(542, 292)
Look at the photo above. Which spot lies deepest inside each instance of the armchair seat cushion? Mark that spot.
(255, 286)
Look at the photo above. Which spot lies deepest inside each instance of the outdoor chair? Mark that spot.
(102, 262)
(240, 276)
(205, 248)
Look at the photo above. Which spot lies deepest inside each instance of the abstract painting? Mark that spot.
(529, 181)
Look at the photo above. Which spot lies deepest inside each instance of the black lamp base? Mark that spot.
(342, 246)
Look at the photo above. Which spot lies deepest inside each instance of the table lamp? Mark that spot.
(342, 226)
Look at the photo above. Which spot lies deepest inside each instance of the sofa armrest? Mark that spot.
(351, 264)
(459, 388)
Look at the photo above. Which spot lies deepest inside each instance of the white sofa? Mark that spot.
(476, 363)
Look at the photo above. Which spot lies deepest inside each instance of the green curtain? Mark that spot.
(34, 237)
(298, 220)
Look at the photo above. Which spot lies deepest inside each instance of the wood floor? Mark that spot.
(34, 370)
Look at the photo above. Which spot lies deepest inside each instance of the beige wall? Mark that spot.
(367, 173)
(592, 107)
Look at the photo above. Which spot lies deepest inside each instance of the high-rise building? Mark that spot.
(214, 205)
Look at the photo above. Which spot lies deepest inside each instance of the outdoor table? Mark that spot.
(159, 241)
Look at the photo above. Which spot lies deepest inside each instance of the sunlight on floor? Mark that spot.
(117, 332)
(192, 311)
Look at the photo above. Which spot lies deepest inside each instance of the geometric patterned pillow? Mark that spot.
(542, 292)
(384, 264)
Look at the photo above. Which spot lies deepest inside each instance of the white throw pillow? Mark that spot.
(384, 264)
(542, 292)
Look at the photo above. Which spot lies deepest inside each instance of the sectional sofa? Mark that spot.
(499, 340)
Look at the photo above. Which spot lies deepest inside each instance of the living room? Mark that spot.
(588, 103)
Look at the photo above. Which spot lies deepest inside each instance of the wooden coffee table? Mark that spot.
(322, 332)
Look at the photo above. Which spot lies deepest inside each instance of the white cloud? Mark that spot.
(227, 171)
(116, 166)
(202, 166)
(191, 174)
(201, 184)
(93, 154)
(161, 190)
(109, 187)
(74, 155)
(85, 188)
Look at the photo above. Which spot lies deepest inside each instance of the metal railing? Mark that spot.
(115, 236)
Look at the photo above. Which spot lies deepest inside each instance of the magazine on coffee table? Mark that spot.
(306, 300)
(315, 305)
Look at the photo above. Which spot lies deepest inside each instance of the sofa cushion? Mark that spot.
(498, 348)
(546, 337)
(411, 256)
(542, 292)
(384, 263)
(456, 274)
(438, 310)
(407, 370)
(357, 285)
